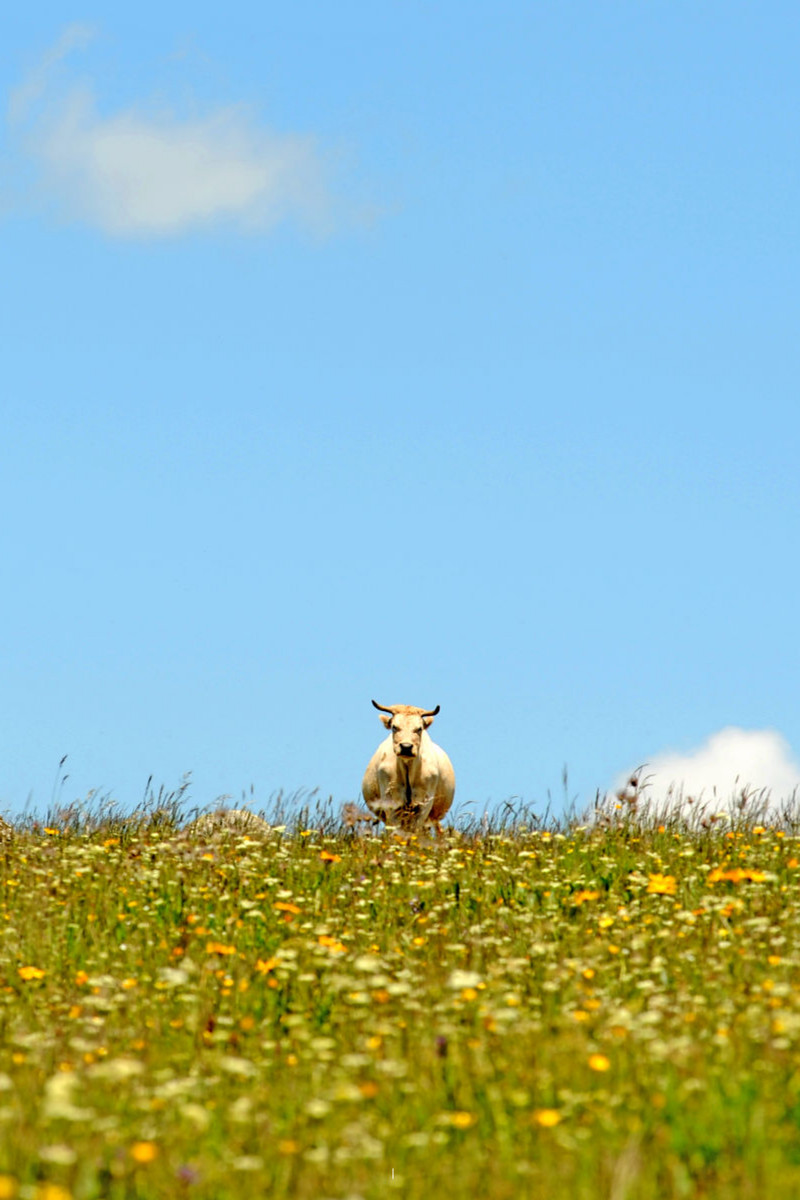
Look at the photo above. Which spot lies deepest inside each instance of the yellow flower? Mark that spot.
(8, 1187)
(281, 906)
(735, 875)
(662, 885)
(599, 1062)
(144, 1152)
(332, 944)
(52, 1191)
(547, 1117)
(331, 858)
(219, 948)
(461, 1120)
(28, 973)
(581, 897)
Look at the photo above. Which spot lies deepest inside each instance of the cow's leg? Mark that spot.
(424, 812)
(391, 803)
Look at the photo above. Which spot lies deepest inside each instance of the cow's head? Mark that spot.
(406, 724)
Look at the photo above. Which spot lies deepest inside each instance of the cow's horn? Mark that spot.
(382, 707)
(432, 713)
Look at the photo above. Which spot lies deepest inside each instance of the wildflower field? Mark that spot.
(586, 1013)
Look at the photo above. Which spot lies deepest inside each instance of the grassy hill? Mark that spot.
(609, 1012)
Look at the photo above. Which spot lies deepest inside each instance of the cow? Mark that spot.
(409, 780)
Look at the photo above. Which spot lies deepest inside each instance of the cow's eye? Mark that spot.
(418, 729)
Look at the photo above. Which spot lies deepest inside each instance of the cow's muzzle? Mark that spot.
(405, 750)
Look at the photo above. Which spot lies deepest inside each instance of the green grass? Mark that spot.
(587, 1013)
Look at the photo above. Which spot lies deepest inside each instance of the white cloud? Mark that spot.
(714, 776)
(132, 173)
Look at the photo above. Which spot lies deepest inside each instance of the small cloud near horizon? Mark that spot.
(134, 173)
(757, 761)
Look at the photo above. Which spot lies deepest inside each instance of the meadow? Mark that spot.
(587, 1012)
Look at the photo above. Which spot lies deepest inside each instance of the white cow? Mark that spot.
(409, 780)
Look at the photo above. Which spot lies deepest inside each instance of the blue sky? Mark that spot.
(403, 350)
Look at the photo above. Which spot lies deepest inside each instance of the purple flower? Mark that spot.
(187, 1174)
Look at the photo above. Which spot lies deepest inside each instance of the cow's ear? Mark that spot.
(426, 721)
(386, 718)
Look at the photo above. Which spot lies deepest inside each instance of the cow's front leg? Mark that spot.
(420, 812)
(391, 803)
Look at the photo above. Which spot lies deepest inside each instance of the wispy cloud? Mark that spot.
(23, 98)
(716, 774)
(135, 174)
